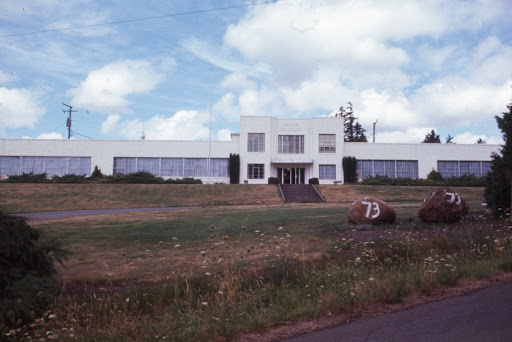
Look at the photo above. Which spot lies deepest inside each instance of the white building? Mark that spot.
(293, 150)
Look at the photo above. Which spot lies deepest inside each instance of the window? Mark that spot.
(171, 167)
(53, 166)
(453, 168)
(219, 167)
(255, 171)
(327, 143)
(327, 172)
(151, 165)
(196, 167)
(390, 168)
(256, 142)
(125, 165)
(291, 144)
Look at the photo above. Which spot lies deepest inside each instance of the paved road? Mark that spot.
(48, 215)
(482, 316)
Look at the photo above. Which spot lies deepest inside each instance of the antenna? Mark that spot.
(68, 121)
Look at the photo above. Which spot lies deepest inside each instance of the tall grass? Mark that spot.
(230, 295)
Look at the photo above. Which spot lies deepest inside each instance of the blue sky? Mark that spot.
(412, 66)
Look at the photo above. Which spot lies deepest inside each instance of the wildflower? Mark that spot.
(204, 303)
(127, 300)
(256, 231)
(208, 274)
(280, 228)
(371, 279)
(174, 238)
(177, 245)
(225, 237)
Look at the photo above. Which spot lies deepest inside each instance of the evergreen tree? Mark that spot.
(354, 132)
(432, 138)
(481, 141)
(449, 139)
(498, 181)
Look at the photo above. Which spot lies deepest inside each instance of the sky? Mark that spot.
(162, 69)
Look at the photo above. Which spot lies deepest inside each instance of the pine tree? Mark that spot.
(498, 181)
(354, 132)
(432, 138)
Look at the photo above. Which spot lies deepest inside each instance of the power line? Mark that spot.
(142, 19)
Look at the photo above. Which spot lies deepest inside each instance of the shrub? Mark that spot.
(70, 179)
(435, 176)
(234, 168)
(28, 178)
(183, 181)
(466, 180)
(96, 174)
(313, 181)
(273, 180)
(26, 271)
(136, 177)
(349, 169)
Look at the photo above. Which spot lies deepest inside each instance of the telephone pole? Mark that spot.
(68, 122)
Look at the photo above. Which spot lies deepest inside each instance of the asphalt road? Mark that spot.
(48, 215)
(485, 315)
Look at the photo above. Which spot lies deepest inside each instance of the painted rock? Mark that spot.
(370, 210)
(443, 205)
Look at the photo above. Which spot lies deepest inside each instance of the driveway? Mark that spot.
(485, 315)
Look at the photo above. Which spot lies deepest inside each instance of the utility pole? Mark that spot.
(68, 122)
(374, 124)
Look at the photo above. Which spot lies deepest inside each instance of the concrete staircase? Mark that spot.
(300, 193)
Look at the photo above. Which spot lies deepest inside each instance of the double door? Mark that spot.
(291, 175)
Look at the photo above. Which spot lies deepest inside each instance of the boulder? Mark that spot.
(370, 210)
(443, 205)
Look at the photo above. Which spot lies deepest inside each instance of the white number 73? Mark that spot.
(369, 207)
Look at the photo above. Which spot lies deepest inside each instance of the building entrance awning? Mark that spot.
(291, 162)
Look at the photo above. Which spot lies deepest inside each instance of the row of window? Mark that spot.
(291, 144)
(52, 166)
(173, 167)
(449, 169)
(390, 168)
(257, 171)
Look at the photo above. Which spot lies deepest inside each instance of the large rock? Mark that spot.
(443, 204)
(371, 210)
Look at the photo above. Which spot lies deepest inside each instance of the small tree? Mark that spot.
(432, 138)
(350, 169)
(96, 174)
(481, 141)
(234, 168)
(449, 139)
(498, 180)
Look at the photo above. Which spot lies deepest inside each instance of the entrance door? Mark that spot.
(291, 175)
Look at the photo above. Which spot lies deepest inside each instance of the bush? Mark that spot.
(96, 174)
(234, 168)
(183, 181)
(313, 181)
(467, 180)
(69, 179)
(350, 169)
(273, 180)
(136, 177)
(27, 284)
(28, 178)
(435, 176)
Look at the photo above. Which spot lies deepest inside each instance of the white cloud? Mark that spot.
(19, 108)
(184, 125)
(413, 135)
(470, 138)
(236, 81)
(51, 135)
(224, 134)
(106, 90)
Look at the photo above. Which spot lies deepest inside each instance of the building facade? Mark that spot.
(292, 150)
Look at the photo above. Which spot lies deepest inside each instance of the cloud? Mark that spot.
(52, 135)
(470, 138)
(19, 108)
(183, 125)
(107, 89)
(224, 135)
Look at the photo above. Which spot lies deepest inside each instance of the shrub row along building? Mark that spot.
(292, 150)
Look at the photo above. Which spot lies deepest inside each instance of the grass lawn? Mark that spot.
(248, 263)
